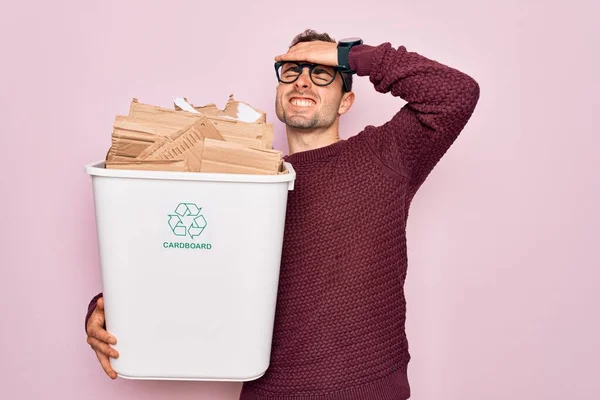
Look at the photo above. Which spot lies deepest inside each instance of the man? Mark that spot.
(339, 323)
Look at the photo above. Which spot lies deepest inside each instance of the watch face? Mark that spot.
(350, 40)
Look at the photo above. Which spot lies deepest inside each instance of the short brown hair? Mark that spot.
(310, 35)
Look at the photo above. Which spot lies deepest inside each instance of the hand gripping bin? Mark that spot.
(190, 268)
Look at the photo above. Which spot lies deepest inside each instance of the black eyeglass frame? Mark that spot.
(347, 85)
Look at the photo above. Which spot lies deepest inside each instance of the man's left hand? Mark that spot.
(316, 52)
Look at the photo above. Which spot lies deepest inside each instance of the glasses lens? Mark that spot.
(288, 72)
(322, 75)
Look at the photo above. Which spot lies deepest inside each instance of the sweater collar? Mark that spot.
(316, 154)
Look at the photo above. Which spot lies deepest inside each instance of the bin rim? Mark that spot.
(98, 169)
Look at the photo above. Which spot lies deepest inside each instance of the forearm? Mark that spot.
(443, 97)
(440, 101)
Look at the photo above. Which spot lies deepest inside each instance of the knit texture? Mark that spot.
(91, 308)
(339, 323)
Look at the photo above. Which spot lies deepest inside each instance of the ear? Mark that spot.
(346, 103)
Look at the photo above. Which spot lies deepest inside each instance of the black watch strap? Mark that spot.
(343, 50)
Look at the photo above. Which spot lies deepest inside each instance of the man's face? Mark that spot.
(304, 105)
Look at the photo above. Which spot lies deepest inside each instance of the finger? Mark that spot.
(102, 347)
(295, 56)
(282, 57)
(97, 331)
(96, 326)
(98, 318)
(293, 52)
(105, 363)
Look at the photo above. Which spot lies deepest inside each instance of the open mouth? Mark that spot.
(302, 102)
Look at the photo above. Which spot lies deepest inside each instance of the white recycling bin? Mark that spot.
(190, 269)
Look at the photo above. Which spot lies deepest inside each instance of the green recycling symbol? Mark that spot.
(187, 220)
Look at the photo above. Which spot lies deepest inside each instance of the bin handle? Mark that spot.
(291, 170)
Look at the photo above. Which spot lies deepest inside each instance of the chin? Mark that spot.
(300, 124)
(298, 121)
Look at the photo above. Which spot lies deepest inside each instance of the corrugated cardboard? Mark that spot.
(153, 165)
(268, 137)
(136, 137)
(188, 146)
(155, 138)
(244, 141)
(253, 134)
(209, 109)
(130, 144)
(127, 123)
(232, 127)
(244, 111)
(225, 157)
(166, 117)
(282, 169)
(161, 115)
(233, 109)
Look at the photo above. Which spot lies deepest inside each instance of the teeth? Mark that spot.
(302, 102)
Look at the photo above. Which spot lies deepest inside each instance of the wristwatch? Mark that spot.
(343, 48)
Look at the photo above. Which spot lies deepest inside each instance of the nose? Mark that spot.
(303, 80)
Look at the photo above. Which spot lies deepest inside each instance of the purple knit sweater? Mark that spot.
(339, 324)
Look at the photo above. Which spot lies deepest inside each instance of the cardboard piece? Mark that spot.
(181, 104)
(152, 165)
(282, 169)
(130, 144)
(234, 109)
(225, 157)
(155, 138)
(209, 109)
(243, 111)
(181, 119)
(230, 122)
(245, 130)
(138, 136)
(268, 136)
(244, 141)
(188, 146)
(127, 123)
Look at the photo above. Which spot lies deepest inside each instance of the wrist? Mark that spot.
(343, 50)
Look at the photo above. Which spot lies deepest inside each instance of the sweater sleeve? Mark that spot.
(440, 101)
(91, 308)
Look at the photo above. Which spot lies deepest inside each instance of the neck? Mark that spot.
(303, 139)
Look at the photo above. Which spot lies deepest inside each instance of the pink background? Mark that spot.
(503, 284)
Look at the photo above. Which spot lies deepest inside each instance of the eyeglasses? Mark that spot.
(320, 75)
